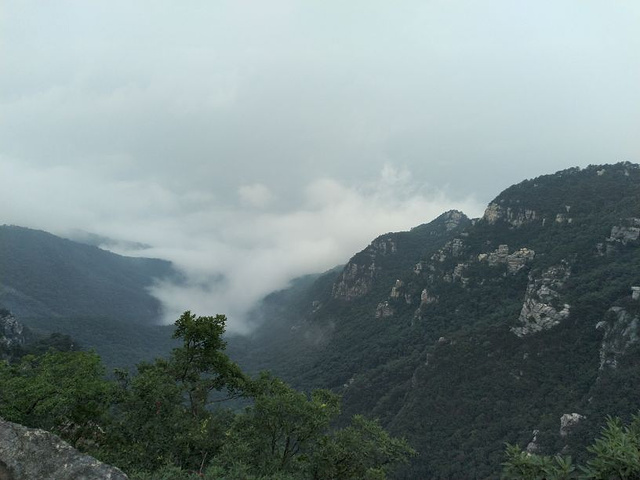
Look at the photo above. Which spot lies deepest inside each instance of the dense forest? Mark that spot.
(165, 421)
(458, 336)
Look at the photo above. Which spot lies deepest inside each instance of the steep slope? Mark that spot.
(42, 275)
(98, 298)
(302, 326)
(480, 334)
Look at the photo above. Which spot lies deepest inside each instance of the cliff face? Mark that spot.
(30, 454)
(13, 334)
(463, 334)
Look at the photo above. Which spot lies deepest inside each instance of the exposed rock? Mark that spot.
(384, 310)
(515, 217)
(458, 272)
(493, 213)
(568, 421)
(620, 332)
(384, 245)
(451, 249)
(396, 290)
(452, 219)
(30, 454)
(357, 277)
(542, 309)
(635, 293)
(533, 446)
(562, 218)
(12, 332)
(354, 282)
(515, 261)
(629, 232)
(426, 298)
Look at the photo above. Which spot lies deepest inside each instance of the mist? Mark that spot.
(252, 142)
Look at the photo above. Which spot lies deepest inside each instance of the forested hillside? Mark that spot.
(99, 298)
(466, 334)
(461, 334)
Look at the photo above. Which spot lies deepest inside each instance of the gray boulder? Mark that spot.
(31, 453)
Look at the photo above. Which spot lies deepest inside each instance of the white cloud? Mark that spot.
(232, 257)
(255, 195)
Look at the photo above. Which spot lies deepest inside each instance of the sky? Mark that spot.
(250, 142)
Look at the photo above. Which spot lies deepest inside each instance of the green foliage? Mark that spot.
(616, 453)
(615, 456)
(64, 392)
(458, 400)
(163, 422)
(276, 433)
(525, 466)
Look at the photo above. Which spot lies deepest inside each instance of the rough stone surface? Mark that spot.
(354, 282)
(357, 277)
(542, 308)
(396, 290)
(514, 217)
(621, 330)
(426, 298)
(568, 421)
(11, 331)
(384, 310)
(33, 454)
(514, 261)
(452, 219)
(628, 232)
(533, 446)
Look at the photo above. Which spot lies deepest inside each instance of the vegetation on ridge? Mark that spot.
(163, 422)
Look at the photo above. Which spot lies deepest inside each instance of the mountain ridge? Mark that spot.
(491, 333)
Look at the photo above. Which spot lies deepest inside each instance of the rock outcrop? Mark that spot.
(568, 421)
(358, 276)
(625, 233)
(354, 282)
(621, 330)
(515, 217)
(30, 454)
(514, 261)
(384, 309)
(542, 308)
(12, 332)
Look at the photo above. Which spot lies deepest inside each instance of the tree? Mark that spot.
(163, 415)
(616, 457)
(286, 432)
(200, 365)
(64, 392)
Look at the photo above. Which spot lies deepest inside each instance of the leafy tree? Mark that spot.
(163, 415)
(64, 392)
(617, 452)
(288, 432)
(363, 450)
(277, 431)
(200, 365)
(525, 466)
(616, 457)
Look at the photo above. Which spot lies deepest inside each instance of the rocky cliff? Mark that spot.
(463, 334)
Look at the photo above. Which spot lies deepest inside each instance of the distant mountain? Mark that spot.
(522, 326)
(99, 298)
(42, 275)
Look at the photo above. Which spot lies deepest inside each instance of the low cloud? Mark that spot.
(255, 195)
(231, 255)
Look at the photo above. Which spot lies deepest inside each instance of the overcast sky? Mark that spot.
(261, 140)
